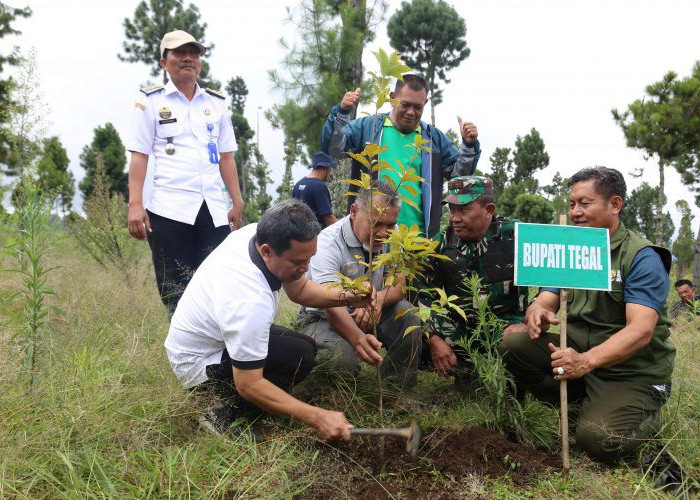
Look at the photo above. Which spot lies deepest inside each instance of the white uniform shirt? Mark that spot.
(230, 302)
(187, 177)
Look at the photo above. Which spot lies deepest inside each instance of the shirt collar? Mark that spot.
(170, 88)
(348, 234)
(389, 123)
(257, 259)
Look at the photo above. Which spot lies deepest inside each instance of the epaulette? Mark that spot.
(151, 88)
(215, 93)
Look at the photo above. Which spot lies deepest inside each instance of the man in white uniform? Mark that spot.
(222, 339)
(188, 131)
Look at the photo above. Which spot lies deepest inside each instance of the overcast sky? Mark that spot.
(554, 65)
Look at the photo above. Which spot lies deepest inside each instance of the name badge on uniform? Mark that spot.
(169, 120)
(211, 147)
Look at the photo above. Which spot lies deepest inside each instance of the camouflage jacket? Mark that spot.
(492, 259)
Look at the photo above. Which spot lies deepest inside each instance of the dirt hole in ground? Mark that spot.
(444, 455)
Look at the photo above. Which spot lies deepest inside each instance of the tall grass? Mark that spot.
(107, 417)
(29, 245)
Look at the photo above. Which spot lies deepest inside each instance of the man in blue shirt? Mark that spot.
(312, 190)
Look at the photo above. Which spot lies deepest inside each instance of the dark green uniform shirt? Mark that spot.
(595, 316)
(492, 259)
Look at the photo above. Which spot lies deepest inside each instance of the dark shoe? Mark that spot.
(223, 421)
(666, 472)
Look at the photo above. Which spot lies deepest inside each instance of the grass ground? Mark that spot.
(107, 418)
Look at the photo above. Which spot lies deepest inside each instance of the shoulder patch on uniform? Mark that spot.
(151, 89)
(215, 93)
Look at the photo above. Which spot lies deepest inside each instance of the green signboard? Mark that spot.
(562, 256)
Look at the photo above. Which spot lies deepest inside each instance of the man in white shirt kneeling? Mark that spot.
(222, 339)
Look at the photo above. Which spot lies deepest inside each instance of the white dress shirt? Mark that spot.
(184, 179)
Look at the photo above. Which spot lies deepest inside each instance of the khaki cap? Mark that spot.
(178, 38)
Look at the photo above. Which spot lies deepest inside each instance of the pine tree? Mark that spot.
(107, 144)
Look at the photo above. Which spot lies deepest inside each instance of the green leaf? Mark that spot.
(459, 311)
(410, 329)
(391, 64)
(409, 201)
(359, 157)
(411, 190)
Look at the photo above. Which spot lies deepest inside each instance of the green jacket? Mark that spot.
(491, 258)
(594, 316)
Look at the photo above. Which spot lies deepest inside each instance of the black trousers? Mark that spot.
(290, 358)
(178, 249)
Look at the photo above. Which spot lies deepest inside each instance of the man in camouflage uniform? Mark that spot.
(478, 242)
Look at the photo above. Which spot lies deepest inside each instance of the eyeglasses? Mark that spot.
(416, 107)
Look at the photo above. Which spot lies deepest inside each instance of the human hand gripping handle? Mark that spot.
(568, 363)
(138, 221)
(350, 99)
(332, 425)
(468, 131)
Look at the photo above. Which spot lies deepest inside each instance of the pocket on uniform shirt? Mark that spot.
(166, 130)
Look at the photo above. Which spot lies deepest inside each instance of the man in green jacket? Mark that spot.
(620, 358)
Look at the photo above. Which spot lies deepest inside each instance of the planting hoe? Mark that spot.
(411, 433)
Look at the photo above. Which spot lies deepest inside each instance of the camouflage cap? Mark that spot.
(464, 190)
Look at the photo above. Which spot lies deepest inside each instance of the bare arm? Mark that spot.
(229, 174)
(311, 294)
(137, 218)
(256, 389)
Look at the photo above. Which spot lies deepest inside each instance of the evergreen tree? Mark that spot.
(28, 118)
(54, 177)
(291, 153)
(253, 169)
(529, 157)
(558, 192)
(653, 124)
(152, 20)
(258, 200)
(533, 208)
(8, 16)
(107, 144)
(321, 67)
(501, 169)
(639, 214)
(683, 246)
(430, 35)
(238, 91)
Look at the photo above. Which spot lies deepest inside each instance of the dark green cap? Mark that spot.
(464, 190)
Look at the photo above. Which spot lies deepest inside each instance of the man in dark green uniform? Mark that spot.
(477, 241)
(620, 358)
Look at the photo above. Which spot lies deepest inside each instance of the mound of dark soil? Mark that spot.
(445, 456)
